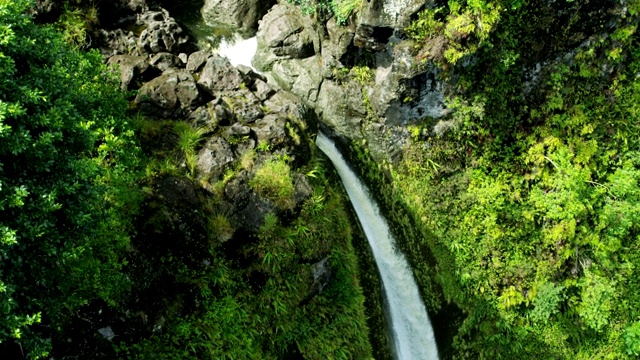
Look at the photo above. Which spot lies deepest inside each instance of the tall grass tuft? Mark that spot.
(189, 138)
(273, 180)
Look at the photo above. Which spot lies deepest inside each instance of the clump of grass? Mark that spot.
(221, 228)
(189, 138)
(157, 167)
(218, 187)
(273, 180)
(344, 8)
(248, 159)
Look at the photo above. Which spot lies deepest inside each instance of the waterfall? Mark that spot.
(239, 51)
(412, 333)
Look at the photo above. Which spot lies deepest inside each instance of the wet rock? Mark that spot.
(172, 94)
(238, 14)
(284, 33)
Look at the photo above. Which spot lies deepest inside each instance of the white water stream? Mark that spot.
(412, 332)
(239, 51)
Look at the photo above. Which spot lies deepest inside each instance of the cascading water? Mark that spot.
(239, 51)
(412, 335)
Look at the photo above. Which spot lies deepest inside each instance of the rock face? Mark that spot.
(238, 14)
(159, 33)
(284, 33)
(300, 76)
(311, 61)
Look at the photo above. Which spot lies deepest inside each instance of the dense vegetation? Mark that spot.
(532, 183)
(91, 263)
(67, 160)
(524, 204)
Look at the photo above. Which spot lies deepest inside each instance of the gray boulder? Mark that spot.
(162, 33)
(172, 94)
(337, 46)
(246, 107)
(156, 32)
(219, 75)
(320, 277)
(131, 68)
(302, 77)
(262, 90)
(114, 42)
(46, 10)
(378, 19)
(405, 89)
(214, 157)
(164, 61)
(196, 60)
(246, 208)
(284, 33)
(242, 15)
(394, 14)
(214, 113)
(271, 129)
(341, 107)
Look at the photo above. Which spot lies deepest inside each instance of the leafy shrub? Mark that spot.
(67, 181)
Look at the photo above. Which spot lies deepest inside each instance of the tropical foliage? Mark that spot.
(67, 165)
(533, 186)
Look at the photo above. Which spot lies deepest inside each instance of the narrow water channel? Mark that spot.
(412, 334)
